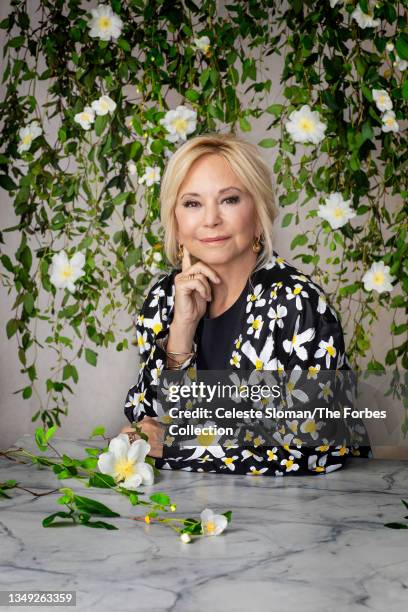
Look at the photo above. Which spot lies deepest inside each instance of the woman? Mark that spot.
(235, 305)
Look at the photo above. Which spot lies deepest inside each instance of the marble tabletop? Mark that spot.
(295, 543)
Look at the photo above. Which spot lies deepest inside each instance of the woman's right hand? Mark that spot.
(192, 296)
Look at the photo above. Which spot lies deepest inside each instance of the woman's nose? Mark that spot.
(212, 214)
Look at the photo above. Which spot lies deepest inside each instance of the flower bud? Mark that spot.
(185, 538)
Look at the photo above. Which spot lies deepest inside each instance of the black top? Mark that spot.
(214, 336)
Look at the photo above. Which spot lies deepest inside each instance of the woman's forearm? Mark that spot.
(180, 341)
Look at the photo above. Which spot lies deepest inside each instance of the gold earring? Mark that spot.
(180, 253)
(256, 245)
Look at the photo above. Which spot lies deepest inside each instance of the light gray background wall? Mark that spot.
(100, 394)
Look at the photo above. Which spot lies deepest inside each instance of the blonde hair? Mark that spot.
(245, 161)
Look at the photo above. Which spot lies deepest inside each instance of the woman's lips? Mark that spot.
(215, 240)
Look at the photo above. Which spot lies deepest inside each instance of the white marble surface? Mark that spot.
(295, 543)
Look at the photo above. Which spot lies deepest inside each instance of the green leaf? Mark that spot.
(90, 356)
(11, 327)
(7, 183)
(98, 431)
(103, 481)
(40, 439)
(50, 432)
(228, 514)
(267, 143)
(160, 498)
(401, 44)
(28, 303)
(244, 124)
(93, 507)
(299, 240)
(101, 122)
(275, 109)
(100, 525)
(287, 219)
(49, 520)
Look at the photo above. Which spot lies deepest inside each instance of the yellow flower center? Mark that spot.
(252, 297)
(258, 364)
(180, 125)
(294, 339)
(289, 463)
(297, 290)
(338, 213)
(27, 139)
(290, 387)
(229, 460)
(378, 278)
(205, 439)
(271, 455)
(255, 324)
(157, 327)
(209, 527)
(331, 350)
(104, 23)
(306, 124)
(124, 468)
(310, 426)
(67, 271)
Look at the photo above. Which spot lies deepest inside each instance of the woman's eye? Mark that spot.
(188, 202)
(230, 200)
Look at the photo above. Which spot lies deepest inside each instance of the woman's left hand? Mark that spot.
(154, 431)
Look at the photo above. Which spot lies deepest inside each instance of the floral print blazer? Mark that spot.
(288, 325)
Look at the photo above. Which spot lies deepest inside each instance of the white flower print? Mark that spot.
(320, 466)
(277, 316)
(255, 298)
(290, 464)
(326, 349)
(298, 340)
(295, 294)
(261, 361)
(256, 325)
(291, 390)
(235, 359)
(312, 428)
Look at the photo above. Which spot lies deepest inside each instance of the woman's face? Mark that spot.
(213, 202)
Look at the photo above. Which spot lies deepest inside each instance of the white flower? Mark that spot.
(399, 63)
(151, 175)
(185, 538)
(212, 524)
(304, 125)
(390, 124)
(27, 135)
(126, 462)
(334, 2)
(131, 167)
(365, 20)
(337, 211)
(105, 24)
(64, 272)
(382, 99)
(103, 105)
(389, 46)
(202, 43)
(378, 278)
(157, 256)
(85, 118)
(179, 123)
